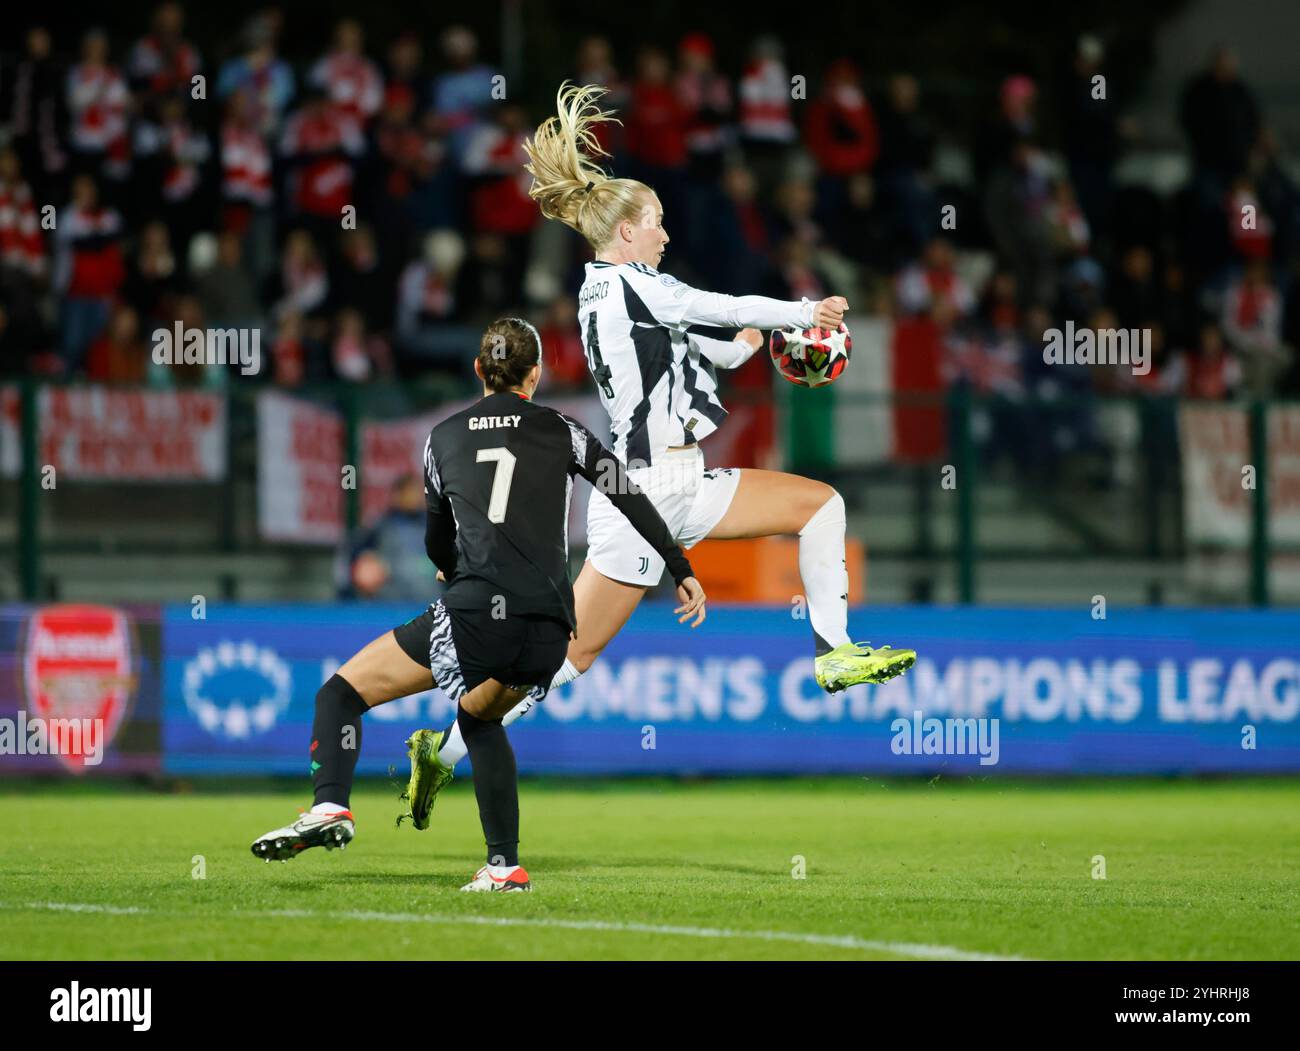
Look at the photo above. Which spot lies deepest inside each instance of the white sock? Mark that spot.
(825, 578)
(501, 871)
(453, 749)
(328, 808)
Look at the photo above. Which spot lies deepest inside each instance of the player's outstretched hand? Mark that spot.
(830, 312)
(752, 336)
(692, 595)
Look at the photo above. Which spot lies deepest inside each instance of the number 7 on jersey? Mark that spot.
(501, 478)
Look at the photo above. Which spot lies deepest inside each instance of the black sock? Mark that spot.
(496, 785)
(336, 740)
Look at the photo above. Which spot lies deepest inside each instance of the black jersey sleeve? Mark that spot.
(440, 523)
(605, 472)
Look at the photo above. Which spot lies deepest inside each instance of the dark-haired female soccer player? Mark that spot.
(498, 477)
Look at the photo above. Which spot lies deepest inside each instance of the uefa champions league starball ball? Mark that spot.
(811, 357)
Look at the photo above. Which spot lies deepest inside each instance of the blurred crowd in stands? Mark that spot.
(367, 211)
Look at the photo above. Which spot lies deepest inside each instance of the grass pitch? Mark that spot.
(663, 870)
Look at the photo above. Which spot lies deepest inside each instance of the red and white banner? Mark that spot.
(102, 434)
(299, 471)
(300, 452)
(391, 449)
(1219, 476)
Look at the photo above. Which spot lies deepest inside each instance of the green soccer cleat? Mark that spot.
(852, 663)
(428, 775)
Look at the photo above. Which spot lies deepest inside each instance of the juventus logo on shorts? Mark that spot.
(644, 565)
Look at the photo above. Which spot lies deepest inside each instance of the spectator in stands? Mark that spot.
(933, 286)
(655, 129)
(387, 561)
(302, 285)
(906, 154)
(262, 73)
(413, 185)
(462, 93)
(404, 72)
(351, 81)
(427, 302)
(33, 114)
(153, 277)
(163, 63)
(767, 127)
(98, 103)
(1252, 323)
(493, 161)
(1006, 140)
(562, 350)
(358, 282)
(840, 132)
(738, 235)
(595, 65)
(1220, 116)
(1212, 371)
(1278, 193)
(706, 99)
(120, 355)
(289, 352)
(89, 271)
(22, 249)
(1136, 293)
(1016, 205)
(1090, 115)
(227, 291)
(246, 187)
(356, 354)
(24, 264)
(320, 145)
(172, 157)
(1067, 226)
(1249, 227)
(866, 234)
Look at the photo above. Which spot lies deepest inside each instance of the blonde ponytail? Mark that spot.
(567, 184)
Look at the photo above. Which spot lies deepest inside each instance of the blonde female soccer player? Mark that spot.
(652, 345)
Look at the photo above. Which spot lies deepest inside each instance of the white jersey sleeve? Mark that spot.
(679, 305)
(724, 353)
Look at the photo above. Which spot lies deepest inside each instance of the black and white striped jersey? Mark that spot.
(498, 477)
(652, 343)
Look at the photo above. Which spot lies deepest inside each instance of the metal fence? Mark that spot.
(954, 480)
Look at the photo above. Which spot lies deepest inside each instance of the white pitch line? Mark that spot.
(838, 941)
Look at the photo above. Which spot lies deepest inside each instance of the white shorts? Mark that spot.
(690, 499)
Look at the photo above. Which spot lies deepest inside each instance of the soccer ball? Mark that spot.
(811, 357)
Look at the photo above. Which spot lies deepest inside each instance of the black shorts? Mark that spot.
(464, 647)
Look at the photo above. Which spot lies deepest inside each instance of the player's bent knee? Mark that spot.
(821, 499)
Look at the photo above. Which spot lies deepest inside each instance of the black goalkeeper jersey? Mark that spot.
(498, 477)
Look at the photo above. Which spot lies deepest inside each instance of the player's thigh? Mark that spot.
(491, 699)
(770, 503)
(602, 606)
(383, 671)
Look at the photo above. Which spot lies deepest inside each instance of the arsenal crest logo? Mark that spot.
(77, 671)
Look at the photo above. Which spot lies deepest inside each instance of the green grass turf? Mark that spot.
(1196, 870)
